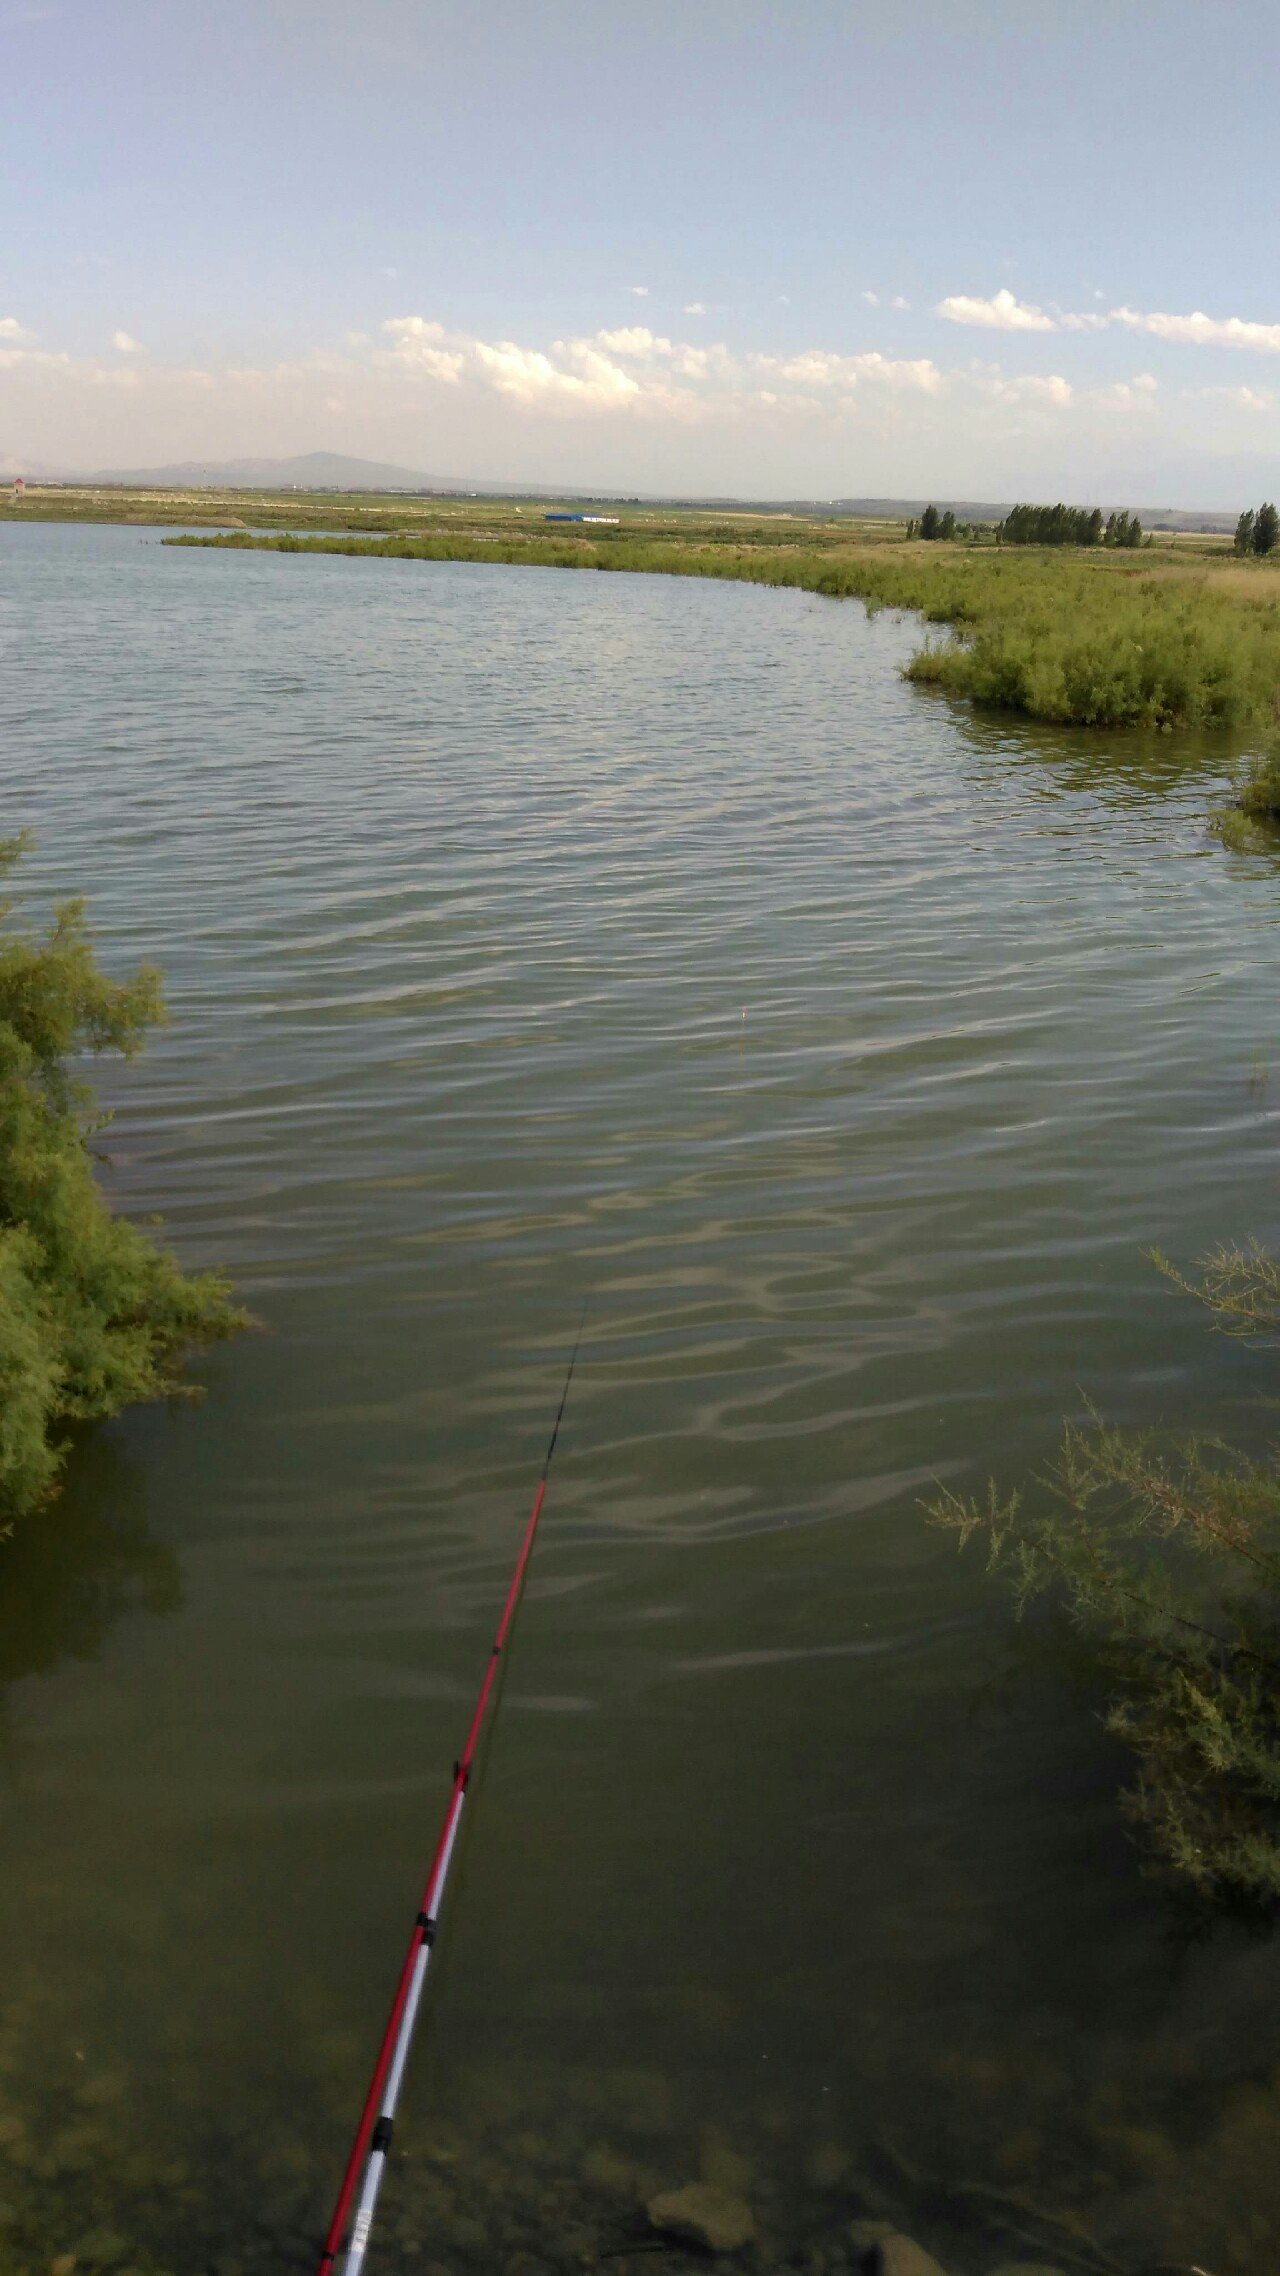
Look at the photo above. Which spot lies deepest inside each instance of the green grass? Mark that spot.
(1106, 641)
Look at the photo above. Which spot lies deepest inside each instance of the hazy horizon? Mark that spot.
(324, 471)
(984, 250)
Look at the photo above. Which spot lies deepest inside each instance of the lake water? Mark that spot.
(534, 938)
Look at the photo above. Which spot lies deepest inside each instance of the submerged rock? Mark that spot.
(1026, 2268)
(101, 2248)
(705, 2215)
(899, 2255)
(864, 2236)
(826, 2166)
(605, 2168)
(720, 2165)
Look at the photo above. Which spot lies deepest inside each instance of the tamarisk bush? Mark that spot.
(93, 1315)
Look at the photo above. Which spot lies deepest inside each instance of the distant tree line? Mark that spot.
(1258, 532)
(934, 524)
(1046, 525)
(1067, 525)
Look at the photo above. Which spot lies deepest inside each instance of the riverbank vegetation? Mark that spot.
(93, 1315)
(1258, 795)
(1102, 638)
(1169, 1565)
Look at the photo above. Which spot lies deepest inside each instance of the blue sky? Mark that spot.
(820, 248)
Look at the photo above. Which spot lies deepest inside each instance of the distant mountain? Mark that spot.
(315, 470)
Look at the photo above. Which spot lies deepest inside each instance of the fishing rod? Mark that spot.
(372, 2144)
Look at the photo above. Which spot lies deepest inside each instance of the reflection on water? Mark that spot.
(1125, 768)
(533, 937)
(69, 1578)
(1249, 833)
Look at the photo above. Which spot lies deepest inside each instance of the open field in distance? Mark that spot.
(394, 511)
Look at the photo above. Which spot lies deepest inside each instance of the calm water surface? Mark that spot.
(534, 938)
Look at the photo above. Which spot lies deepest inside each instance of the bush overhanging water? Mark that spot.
(92, 1314)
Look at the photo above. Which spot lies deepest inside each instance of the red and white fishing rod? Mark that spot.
(372, 2144)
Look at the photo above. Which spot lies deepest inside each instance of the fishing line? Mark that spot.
(371, 2147)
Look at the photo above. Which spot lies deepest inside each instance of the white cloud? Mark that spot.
(1053, 392)
(639, 292)
(872, 299)
(631, 367)
(1052, 388)
(714, 362)
(899, 302)
(1002, 313)
(1049, 390)
(529, 376)
(10, 329)
(415, 328)
(421, 343)
(126, 345)
(1201, 331)
(589, 373)
(695, 308)
(35, 359)
(1137, 394)
(630, 340)
(1235, 398)
(818, 367)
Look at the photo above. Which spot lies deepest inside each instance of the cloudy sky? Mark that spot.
(978, 248)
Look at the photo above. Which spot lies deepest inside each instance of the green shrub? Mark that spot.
(1169, 1563)
(1259, 793)
(92, 1314)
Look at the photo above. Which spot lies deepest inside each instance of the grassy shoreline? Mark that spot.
(1150, 639)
